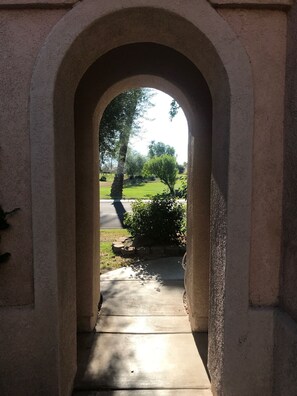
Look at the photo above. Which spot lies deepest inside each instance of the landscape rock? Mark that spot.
(129, 247)
(128, 252)
(117, 247)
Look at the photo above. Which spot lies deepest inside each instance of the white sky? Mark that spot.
(158, 127)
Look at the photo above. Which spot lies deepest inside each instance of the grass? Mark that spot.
(140, 191)
(108, 260)
(109, 177)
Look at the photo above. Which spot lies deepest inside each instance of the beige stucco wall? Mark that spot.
(289, 268)
(263, 33)
(248, 333)
(27, 338)
(285, 355)
(22, 34)
(267, 4)
(146, 29)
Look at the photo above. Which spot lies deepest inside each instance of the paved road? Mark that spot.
(112, 213)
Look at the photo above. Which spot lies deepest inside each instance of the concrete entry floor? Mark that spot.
(143, 344)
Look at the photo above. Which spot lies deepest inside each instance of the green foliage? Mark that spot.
(134, 163)
(121, 118)
(160, 221)
(4, 225)
(108, 176)
(181, 169)
(165, 168)
(174, 107)
(134, 106)
(182, 191)
(112, 122)
(156, 149)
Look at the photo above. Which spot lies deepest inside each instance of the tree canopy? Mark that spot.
(156, 149)
(121, 118)
(165, 168)
(174, 107)
(134, 163)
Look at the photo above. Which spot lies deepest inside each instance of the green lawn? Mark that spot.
(140, 191)
(109, 176)
(108, 260)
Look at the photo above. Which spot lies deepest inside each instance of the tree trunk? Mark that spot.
(118, 181)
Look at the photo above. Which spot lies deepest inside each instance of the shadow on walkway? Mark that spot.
(143, 344)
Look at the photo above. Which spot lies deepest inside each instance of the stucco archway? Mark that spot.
(85, 35)
(160, 66)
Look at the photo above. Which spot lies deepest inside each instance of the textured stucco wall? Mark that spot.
(275, 4)
(289, 262)
(22, 32)
(263, 33)
(285, 356)
(50, 4)
(27, 343)
(185, 38)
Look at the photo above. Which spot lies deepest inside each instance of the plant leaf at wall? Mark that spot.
(4, 225)
(4, 257)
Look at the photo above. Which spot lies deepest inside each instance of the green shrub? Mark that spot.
(182, 191)
(160, 221)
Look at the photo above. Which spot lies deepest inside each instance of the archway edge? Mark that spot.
(54, 61)
(144, 81)
(66, 33)
(200, 14)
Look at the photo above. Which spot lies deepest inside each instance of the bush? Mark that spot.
(160, 221)
(182, 191)
(181, 169)
(135, 180)
(165, 168)
(103, 179)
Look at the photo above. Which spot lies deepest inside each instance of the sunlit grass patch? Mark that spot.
(143, 190)
(108, 260)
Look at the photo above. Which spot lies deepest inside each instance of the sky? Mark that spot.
(157, 126)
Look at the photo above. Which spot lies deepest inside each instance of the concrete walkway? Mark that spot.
(143, 344)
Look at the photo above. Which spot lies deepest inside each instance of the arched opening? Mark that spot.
(148, 71)
(204, 72)
(142, 64)
(139, 125)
